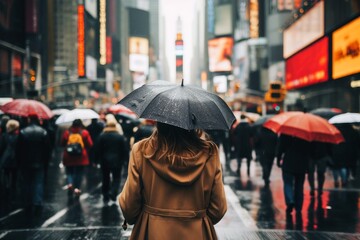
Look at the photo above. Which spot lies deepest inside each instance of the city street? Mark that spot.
(254, 212)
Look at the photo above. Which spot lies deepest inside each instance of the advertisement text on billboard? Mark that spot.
(346, 50)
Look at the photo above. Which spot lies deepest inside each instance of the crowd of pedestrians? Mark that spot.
(299, 160)
(26, 149)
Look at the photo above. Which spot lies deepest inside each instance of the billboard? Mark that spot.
(139, 54)
(223, 19)
(308, 67)
(220, 52)
(220, 84)
(346, 50)
(304, 31)
(139, 23)
(81, 40)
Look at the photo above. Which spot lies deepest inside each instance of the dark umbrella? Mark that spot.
(186, 107)
(326, 113)
(262, 120)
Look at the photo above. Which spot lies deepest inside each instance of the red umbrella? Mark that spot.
(27, 107)
(118, 108)
(305, 126)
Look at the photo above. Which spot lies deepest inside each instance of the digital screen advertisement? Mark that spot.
(220, 52)
(346, 50)
(308, 67)
(304, 31)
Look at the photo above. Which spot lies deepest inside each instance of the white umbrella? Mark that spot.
(79, 113)
(59, 111)
(345, 118)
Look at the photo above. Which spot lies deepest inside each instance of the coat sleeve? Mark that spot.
(217, 205)
(130, 199)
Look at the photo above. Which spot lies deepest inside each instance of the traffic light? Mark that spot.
(276, 92)
(32, 74)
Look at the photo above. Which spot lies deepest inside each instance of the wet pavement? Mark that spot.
(254, 211)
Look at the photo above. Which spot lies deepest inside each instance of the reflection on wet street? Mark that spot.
(254, 211)
(336, 210)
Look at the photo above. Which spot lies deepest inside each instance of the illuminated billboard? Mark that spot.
(220, 52)
(304, 31)
(346, 50)
(223, 19)
(220, 84)
(308, 67)
(81, 40)
(139, 54)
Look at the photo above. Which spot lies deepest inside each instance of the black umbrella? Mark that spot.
(326, 113)
(186, 107)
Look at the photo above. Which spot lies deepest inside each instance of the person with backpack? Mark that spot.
(76, 142)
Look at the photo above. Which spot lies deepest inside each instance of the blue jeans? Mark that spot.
(342, 172)
(75, 175)
(33, 185)
(294, 189)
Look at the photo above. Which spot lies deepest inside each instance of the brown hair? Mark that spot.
(170, 141)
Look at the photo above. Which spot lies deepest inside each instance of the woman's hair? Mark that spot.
(170, 141)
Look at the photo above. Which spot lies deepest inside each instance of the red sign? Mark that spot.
(309, 66)
(81, 41)
(108, 50)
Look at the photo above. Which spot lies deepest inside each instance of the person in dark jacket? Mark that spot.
(8, 161)
(243, 145)
(111, 152)
(345, 155)
(95, 129)
(320, 158)
(33, 149)
(293, 157)
(267, 144)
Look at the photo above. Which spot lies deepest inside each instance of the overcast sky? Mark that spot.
(171, 10)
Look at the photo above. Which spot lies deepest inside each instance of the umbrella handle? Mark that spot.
(124, 225)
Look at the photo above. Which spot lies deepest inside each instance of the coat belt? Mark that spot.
(174, 213)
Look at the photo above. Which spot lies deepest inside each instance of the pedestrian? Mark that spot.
(174, 188)
(345, 155)
(267, 144)
(243, 143)
(293, 158)
(95, 129)
(319, 160)
(111, 152)
(76, 142)
(111, 118)
(8, 161)
(33, 153)
(143, 130)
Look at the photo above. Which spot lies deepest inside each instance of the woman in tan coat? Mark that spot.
(174, 188)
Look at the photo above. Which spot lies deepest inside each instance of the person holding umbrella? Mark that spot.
(174, 176)
(293, 158)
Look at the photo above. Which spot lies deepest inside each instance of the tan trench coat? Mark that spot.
(178, 201)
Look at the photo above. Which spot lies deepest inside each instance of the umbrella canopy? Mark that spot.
(118, 108)
(326, 113)
(78, 113)
(59, 111)
(262, 120)
(26, 108)
(305, 126)
(345, 118)
(187, 107)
